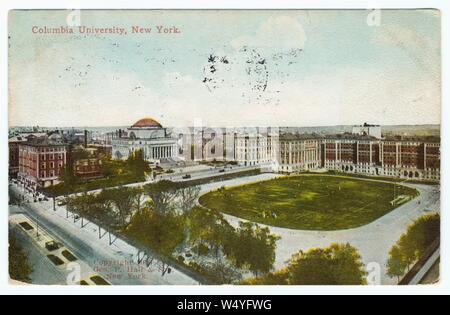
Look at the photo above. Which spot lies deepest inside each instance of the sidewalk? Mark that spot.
(98, 253)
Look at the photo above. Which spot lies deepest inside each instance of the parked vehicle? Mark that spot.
(52, 246)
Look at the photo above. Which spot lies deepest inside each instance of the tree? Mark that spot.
(188, 197)
(252, 248)
(19, 267)
(336, 265)
(422, 233)
(108, 168)
(123, 199)
(138, 165)
(208, 227)
(98, 207)
(396, 264)
(413, 244)
(104, 209)
(162, 232)
(80, 204)
(138, 199)
(163, 195)
(222, 271)
(279, 277)
(67, 175)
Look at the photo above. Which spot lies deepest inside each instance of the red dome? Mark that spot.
(147, 123)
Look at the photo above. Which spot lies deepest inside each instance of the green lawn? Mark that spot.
(310, 202)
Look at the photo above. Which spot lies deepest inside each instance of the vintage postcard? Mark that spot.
(224, 147)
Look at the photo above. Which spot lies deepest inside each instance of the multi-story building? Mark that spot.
(204, 144)
(351, 153)
(88, 168)
(403, 158)
(363, 151)
(40, 162)
(150, 137)
(254, 149)
(13, 145)
(410, 158)
(298, 153)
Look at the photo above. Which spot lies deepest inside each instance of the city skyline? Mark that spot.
(307, 68)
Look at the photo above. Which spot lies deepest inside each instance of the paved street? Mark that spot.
(374, 240)
(178, 177)
(44, 272)
(117, 263)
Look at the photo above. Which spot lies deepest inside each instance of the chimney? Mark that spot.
(85, 139)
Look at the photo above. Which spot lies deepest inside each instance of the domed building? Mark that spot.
(147, 135)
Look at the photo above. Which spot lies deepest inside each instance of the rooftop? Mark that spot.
(43, 142)
(147, 122)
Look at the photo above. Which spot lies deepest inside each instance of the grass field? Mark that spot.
(310, 202)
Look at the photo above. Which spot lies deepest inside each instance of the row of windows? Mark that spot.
(51, 165)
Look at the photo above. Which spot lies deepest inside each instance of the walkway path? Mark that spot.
(374, 240)
(99, 255)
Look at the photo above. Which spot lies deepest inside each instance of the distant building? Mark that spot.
(150, 137)
(13, 145)
(351, 153)
(298, 153)
(100, 149)
(203, 144)
(368, 130)
(402, 158)
(253, 149)
(40, 162)
(88, 168)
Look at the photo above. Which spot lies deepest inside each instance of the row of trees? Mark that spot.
(338, 264)
(227, 251)
(413, 244)
(248, 247)
(165, 217)
(115, 206)
(112, 207)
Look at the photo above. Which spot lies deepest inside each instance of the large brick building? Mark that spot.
(40, 162)
(364, 151)
(88, 168)
(13, 146)
(403, 158)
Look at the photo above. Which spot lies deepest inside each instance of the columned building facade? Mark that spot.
(148, 136)
(298, 153)
(253, 149)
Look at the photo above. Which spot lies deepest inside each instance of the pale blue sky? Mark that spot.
(284, 68)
